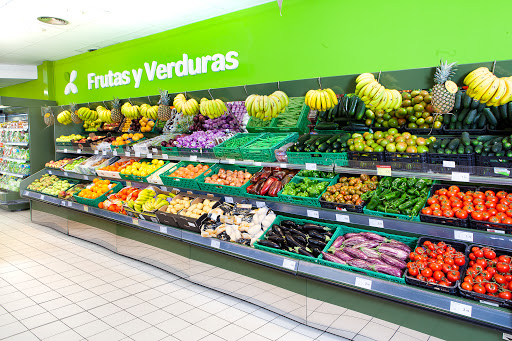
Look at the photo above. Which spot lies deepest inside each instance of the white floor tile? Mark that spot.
(66, 311)
(149, 334)
(68, 335)
(105, 310)
(133, 327)
(11, 329)
(127, 302)
(25, 313)
(294, 336)
(25, 336)
(38, 320)
(108, 335)
(118, 318)
(141, 309)
(51, 329)
(92, 328)
(79, 319)
(231, 332)
(173, 325)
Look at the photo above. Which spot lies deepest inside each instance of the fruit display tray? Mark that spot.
(141, 178)
(181, 182)
(94, 202)
(222, 189)
(221, 151)
(267, 154)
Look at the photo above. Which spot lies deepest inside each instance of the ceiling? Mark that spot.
(95, 24)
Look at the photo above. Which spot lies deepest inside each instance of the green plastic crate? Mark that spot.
(171, 151)
(227, 190)
(288, 253)
(267, 154)
(121, 149)
(181, 182)
(103, 197)
(327, 159)
(315, 202)
(221, 151)
(252, 129)
(390, 215)
(300, 127)
(262, 197)
(71, 181)
(141, 178)
(410, 241)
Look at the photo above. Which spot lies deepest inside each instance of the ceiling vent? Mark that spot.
(53, 21)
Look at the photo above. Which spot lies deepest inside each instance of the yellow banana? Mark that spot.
(364, 76)
(475, 73)
(328, 101)
(334, 99)
(498, 95)
(491, 90)
(479, 91)
(508, 94)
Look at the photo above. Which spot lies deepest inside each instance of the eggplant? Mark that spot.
(277, 229)
(304, 252)
(369, 244)
(277, 239)
(397, 263)
(316, 243)
(343, 255)
(288, 224)
(350, 235)
(405, 247)
(332, 258)
(370, 253)
(315, 234)
(287, 179)
(376, 261)
(292, 241)
(337, 243)
(386, 269)
(354, 241)
(394, 252)
(279, 175)
(374, 236)
(355, 253)
(309, 227)
(269, 243)
(359, 263)
(300, 239)
(316, 252)
(294, 231)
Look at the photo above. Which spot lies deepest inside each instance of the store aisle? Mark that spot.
(56, 287)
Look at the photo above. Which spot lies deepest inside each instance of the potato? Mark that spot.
(173, 211)
(199, 205)
(206, 202)
(187, 204)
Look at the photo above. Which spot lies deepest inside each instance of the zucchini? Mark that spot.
(490, 117)
(468, 150)
(474, 104)
(304, 138)
(453, 144)
(353, 105)
(321, 140)
(466, 101)
(503, 111)
(333, 138)
(323, 147)
(445, 142)
(465, 138)
(360, 109)
(471, 116)
(326, 126)
(458, 101)
(311, 140)
(463, 114)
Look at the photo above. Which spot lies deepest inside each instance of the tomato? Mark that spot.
(491, 288)
(509, 196)
(490, 204)
(507, 220)
(448, 213)
(448, 260)
(479, 195)
(500, 279)
(460, 195)
(482, 262)
(454, 199)
(426, 210)
(447, 268)
(489, 193)
(442, 191)
(485, 215)
(505, 202)
(427, 272)
(450, 194)
(477, 215)
(492, 211)
(454, 188)
(460, 261)
(469, 279)
(444, 283)
(453, 276)
(479, 279)
(505, 295)
(457, 204)
(480, 207)
(432, 200)
(501, 208)
(466, 286)
(477, 201)
(435, 266)
(468, 208)
(508, 278)
(462, 214)
(471, 272)
(502, 267)
(509, 212)
(501, 215)
(431, 280)
(445, 207)
(479, 288)
(486, 275)
(413, 272)
(489, 253)
(491, 270)
(435, 206)
(504, 259)
(501, 194)
(437, 212)
(438, 275)
(494, 219)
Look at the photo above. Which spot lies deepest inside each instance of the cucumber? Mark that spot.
(473, 125)
(509, 109)
(500, 153)
(481, 121)
(497, 147)
(471, 116)
(509, 153)
(460, 149)
(444, 142)
(503, 111)
(353, 105)
(468, 149)
(466, 101)
(495, 112)
(435, 144)
(475, 142)
(463, 114)
(487, 149)
(474, 104)
(477, 118)
(440, 151)
(448, 151)
(451, 125)
(490, 117)
(360, 109)
(465, 138)
(454, 117)
(485, 138)
(453, 144)
(458, 125)
(333, 138)
(458, 101)
(479, 148)
(481, 107)
(323, 147)
(492, 141)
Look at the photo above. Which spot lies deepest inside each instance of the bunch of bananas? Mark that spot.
(64, 117)
(485, 87)
(155, 203)
(321, 100)
(147, 201)
(104, 114)
(149, 111)
(212, 108)
(130, 111)
(267, 107)
(375, 95)
(86, 114)
(190, 107)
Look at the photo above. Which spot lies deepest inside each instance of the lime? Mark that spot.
(437, 124)
(370, 114)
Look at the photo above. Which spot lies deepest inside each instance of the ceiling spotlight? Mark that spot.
(53, 21)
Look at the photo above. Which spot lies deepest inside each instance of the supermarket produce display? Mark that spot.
(398, 202)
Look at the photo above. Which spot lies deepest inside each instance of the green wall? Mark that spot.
(41, 88)
(310, 39)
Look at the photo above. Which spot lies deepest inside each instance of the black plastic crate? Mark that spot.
(374, 129)
(425, 131)
(452, 290)
(463, 162)
(407, 161)
(493, 161)
(460, 131)
(482, 297)
(446, 220)
(365, 160)
(486, 225)
(342, 207)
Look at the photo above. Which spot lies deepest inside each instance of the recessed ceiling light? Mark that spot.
(53, 21)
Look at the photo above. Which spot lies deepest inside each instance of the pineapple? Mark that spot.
(443, 99)
(115, 113)
(48, 118)
(164, 111)
(74, 116)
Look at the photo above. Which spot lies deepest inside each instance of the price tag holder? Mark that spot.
(311, 166)
(463, 235)
(50, 172)
(127, 154)
(459, 308)
(283, 165)
(25, 192)
(113, 153)
(312, 213)
(257, 163)
(65, 150)
(154, 150)
(231, 161)
(363, 283)
(289, 264)
(490, 303)
(215, 243)
(343, 218)
(41, 197)
(229, 200)
(193, 158)
(137, 154)
(376, 223)
(460, 177)
(165, 156)
(501, 171)
(63, 202)
(163, 188)
(128, 184)
(163, 229)
(383, 170)
(448, 164)
(79, 151)
(260, 204)
(86, 208)
(135, 221)
(70, 204)
(66, 174)
(149, 156)
(96, 152)
(496, 231)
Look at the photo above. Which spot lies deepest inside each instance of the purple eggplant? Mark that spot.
(370, 253)
(369, 244)
(354, 241)
(358, 254)
(350, 235)
(386, 269)
(376, 261)
(343, 255)
(337, 243)
(359, 263)
(397, 263)
(332, 258)
(405, 247)
(374, 236)
(394, 252)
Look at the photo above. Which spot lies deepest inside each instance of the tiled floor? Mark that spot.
(56, 287)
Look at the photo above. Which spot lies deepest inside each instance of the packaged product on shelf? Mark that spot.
(115, 202)
(146, 202)
(10, 183)
(269, 181)
(58, 164)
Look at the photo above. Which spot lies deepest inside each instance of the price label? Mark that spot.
(463, 235)
(215, 243)
(489, 303)
(128, 184)
(229, 200)
(312, 213)
(311, 166)
(193, 158)
(113, 152)
(127, 154)
(65, 150)
(78, 151)
(153, 219)
(163, 229)
(343, 218)
(496, 231)
(41, 197)
(449, 164)
(66, 174)
(50, 172)
(283, 165)
(149, 156)
(191, 224)
(135, 221)
(163, 188)
(376, 222)
(154, 150)
(384, 170)
(137, 154)
(289, 264)
(165, 156)
(501, 171)
(96, 152)
(86, 208)
(260, 204)
(70, 204)
(460, 177)
(63, 203)
(231, 161)
(363, 283)
(25, 192)
(459, 308)
(257, 163)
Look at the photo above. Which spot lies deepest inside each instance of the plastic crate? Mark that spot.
(424, 131)
(341, 207)
(342, 230)
(482, 297)
(308, 201)
(367, 156)
(493, 161)
(301, 174)
(390, 215)
(486, 225)
(94, 202)
(252, 129)
(200, 152)
(445, 220)
(318, 158)
(407, 161)
(262, 197)
(300, 127)
(222, 189)
(141, 178)
(464, 162)
(452, 290)
(267, 154)
(171, 151)
(64, 144)
(460, 131)
(71, 181)
(125, 147)
(278, 220)
(181, 182)
(221, 151)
